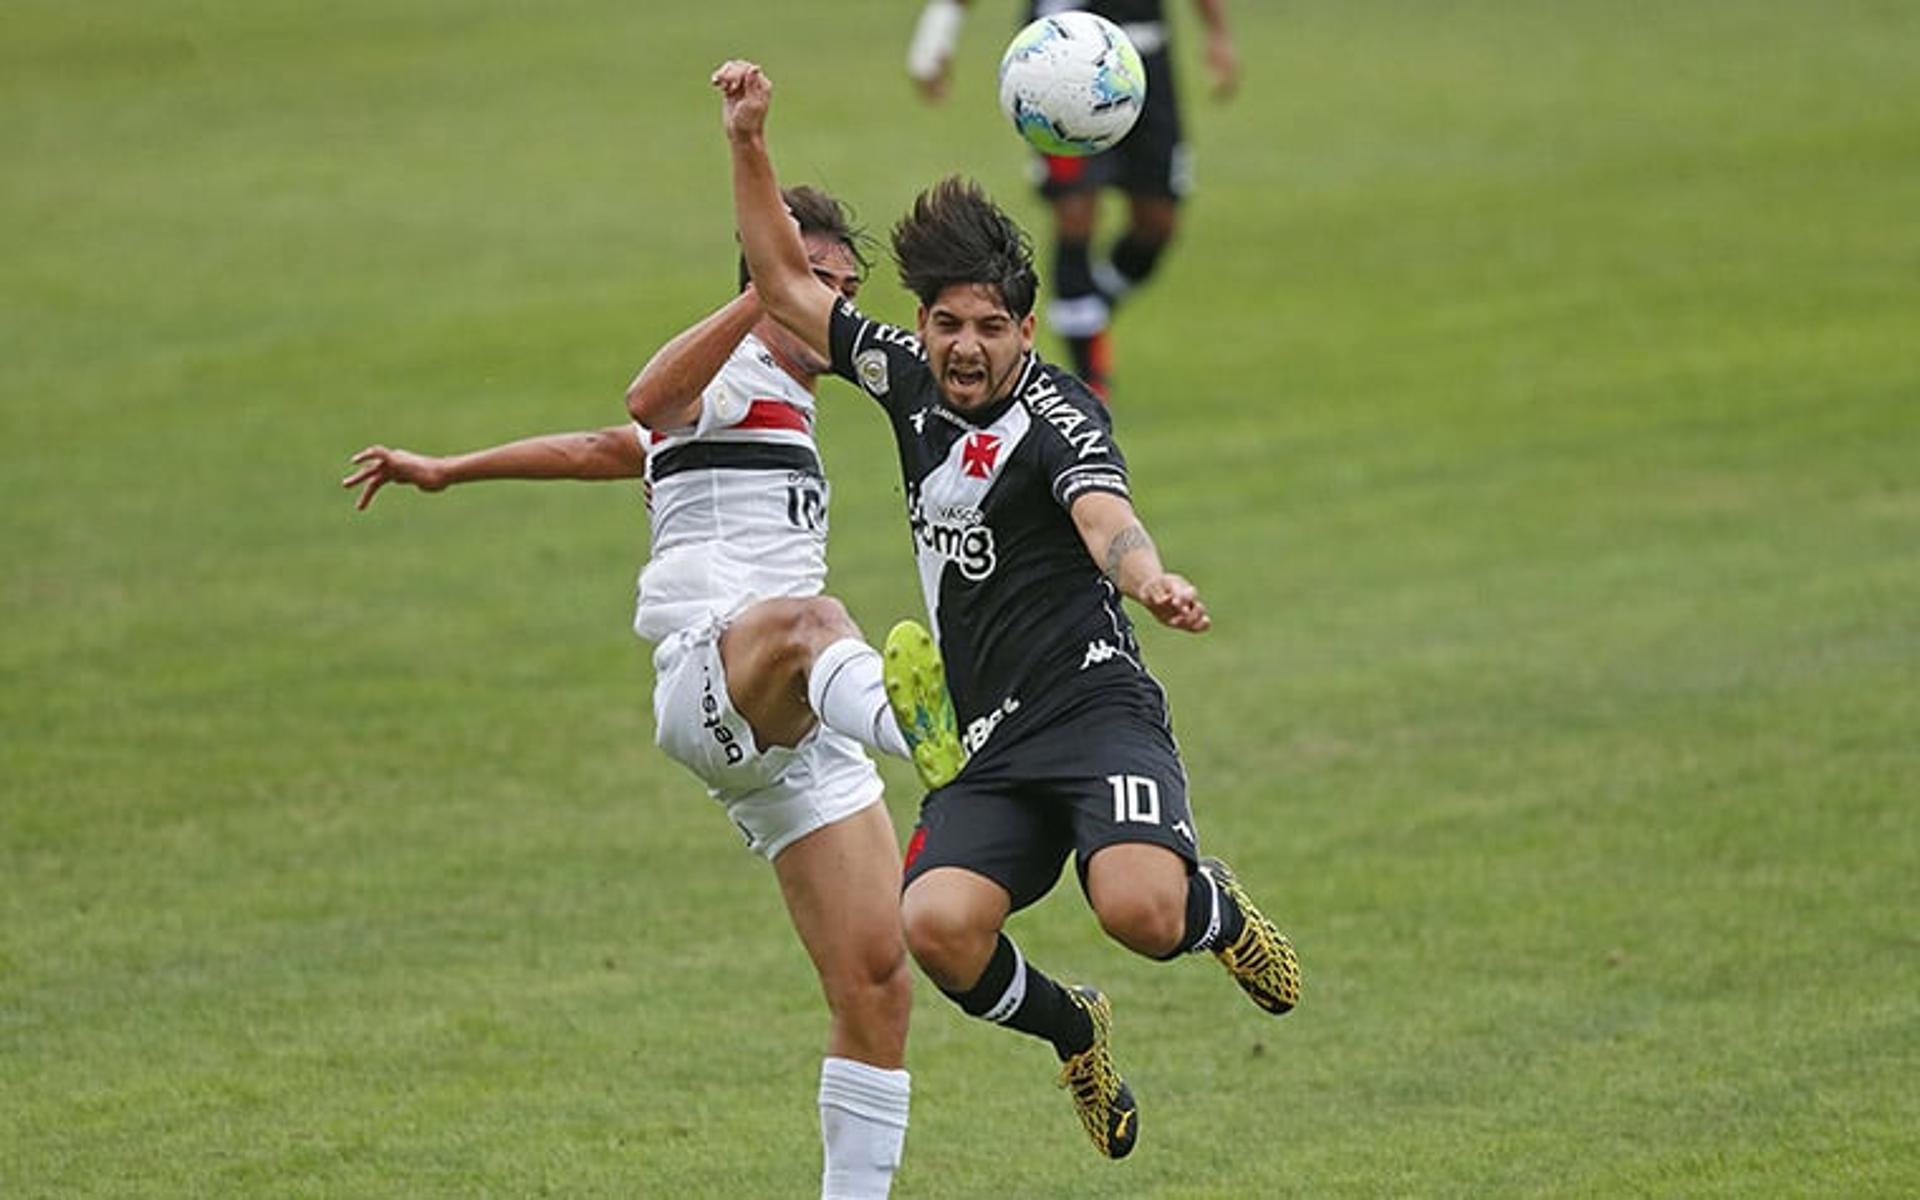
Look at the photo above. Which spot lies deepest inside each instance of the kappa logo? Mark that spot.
(979, 454)
(1101, 650)
(871, 367)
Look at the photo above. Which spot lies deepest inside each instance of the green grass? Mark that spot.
(1533, 395)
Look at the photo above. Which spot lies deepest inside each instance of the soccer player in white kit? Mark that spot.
(764, 686)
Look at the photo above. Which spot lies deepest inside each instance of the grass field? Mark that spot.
(1535, 396)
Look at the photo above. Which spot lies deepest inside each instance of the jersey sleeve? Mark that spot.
(723, 402)
(726, 398)
(875, 357)
(1078, 453)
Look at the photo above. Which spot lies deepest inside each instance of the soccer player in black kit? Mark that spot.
(1150, 166)
(1026, 541)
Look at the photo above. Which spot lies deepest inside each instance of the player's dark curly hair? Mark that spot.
(822, 214)
(955, 233)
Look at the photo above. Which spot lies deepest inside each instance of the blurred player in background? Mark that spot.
(764, 688)
(1026, 540)
(1150, 166)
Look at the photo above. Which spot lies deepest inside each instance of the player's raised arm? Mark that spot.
(1223, 57)
(611, 453)
(776, 256)
(930, 52)
(666, 393)
(1126, 555)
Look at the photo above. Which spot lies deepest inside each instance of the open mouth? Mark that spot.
(962, 378)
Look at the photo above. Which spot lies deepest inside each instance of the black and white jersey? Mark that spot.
(1029, 628)
(1120, 12)
(1145, 21)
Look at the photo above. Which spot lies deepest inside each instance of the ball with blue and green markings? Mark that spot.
(1072, 84)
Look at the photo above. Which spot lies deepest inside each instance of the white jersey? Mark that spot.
(737, 501)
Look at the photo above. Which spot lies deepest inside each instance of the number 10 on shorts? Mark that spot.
(1136, 799)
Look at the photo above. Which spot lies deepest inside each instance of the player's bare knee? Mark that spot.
(875, 988)
(1144, 922)
(826, 622)
(809, 626)
(786, 634)
(943, 942)
(929, 934)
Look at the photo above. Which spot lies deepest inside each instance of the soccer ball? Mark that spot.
(1072, 84)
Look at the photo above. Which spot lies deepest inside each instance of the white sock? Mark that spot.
(863, 1122)
(848, 695)
(1109, 280)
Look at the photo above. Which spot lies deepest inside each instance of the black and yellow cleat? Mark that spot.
(1105, 1103)
(917, 692)
(1261, 959)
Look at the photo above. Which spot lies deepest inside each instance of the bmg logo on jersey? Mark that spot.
(957, 534)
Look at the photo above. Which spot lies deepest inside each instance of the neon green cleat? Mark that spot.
(917, 692)
(1261, 959)
(1102, 1098)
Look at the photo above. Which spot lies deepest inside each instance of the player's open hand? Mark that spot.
(379, 466)
(745, 93)
(1175, 603)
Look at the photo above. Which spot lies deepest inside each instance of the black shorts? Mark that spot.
(1150, 161)
(1104, 778)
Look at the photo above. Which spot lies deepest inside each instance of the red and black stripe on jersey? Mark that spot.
(1028, 626)
(741, 455)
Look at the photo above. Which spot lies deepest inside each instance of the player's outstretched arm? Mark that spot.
(930, 52)
(611, 453)
(1223, 58)
(1126, 555)
(666, 393)
(776, 257)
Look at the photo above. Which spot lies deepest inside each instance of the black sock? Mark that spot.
(1135, 258)
(1011, 993)
(1081, 350)
(1072, 268)
(1208, 928)
(1079, 310)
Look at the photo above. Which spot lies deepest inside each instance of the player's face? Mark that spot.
(835, 266)
(973, 344)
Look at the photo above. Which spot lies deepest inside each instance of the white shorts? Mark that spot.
(775, 796)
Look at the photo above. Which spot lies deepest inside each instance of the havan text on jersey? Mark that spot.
(1043, 398)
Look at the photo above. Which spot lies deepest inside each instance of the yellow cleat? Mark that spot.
(1105, 1103)
(1261, 959)
(917, 692)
